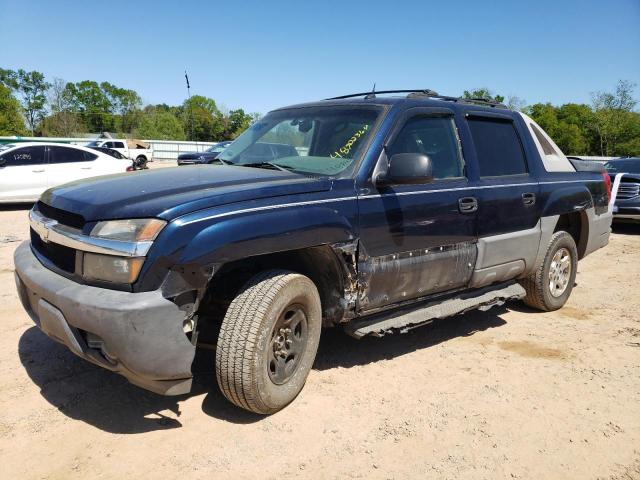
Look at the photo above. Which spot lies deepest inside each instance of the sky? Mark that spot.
(260, 55)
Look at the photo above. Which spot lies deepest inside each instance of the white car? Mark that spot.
(28, 169)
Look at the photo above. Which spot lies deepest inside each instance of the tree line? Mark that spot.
(32, 105)
(29, 104)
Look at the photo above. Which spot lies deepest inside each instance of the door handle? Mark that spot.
(467, 204)
(529, 198)
(38, 170)
(85, 168)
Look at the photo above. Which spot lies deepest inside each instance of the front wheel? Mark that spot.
(549, 287)
(268, 341)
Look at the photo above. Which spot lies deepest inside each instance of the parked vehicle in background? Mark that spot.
(627, 204)
(401, 210)
(110, 152)
(132, 149)
(201, 158)
(28, 169)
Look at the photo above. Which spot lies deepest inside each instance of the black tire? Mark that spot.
(255, 368)
(541, 294)
(141, 161)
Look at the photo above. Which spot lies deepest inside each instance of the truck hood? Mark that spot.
(171, 192)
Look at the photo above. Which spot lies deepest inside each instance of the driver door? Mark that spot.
(417, 240)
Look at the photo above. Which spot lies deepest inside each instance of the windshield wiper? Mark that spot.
(264, 165)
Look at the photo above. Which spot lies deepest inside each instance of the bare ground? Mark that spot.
(508, 393)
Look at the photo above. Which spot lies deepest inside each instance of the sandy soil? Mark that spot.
(508, 393)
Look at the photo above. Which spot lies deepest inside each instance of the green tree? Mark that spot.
(11, 122)
(483, 92)
(202, 118)
(90, 100)
(124, 103)
(612, 113)
(562, 125)
(32, 88)
(160, 125)
(62, 121)
(236, 122)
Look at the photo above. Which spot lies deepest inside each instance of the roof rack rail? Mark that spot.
(425, 92)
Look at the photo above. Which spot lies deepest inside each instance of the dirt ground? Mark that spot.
(508, 393)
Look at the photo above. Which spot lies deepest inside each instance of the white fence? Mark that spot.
(162, 149)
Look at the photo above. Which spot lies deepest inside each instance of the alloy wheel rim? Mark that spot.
(287, 344)
(560, 272)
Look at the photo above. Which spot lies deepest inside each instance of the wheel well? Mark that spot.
(321, 264)
(575, 224)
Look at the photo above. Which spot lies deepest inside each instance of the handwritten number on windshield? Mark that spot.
(344, 151)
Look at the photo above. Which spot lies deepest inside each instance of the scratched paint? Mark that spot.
(413, 274)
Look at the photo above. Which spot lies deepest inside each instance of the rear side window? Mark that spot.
(544, 143)
(498, 147)
(118, 145)
(69, 155)
(24, 156)
(435, 137)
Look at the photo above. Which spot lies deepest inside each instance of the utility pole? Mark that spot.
(186, 77)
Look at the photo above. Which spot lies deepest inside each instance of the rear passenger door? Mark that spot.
(67, 164)
(508, 210)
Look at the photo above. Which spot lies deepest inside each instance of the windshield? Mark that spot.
(628, 165)
(94, 144)
(322, 141)
(217, 148)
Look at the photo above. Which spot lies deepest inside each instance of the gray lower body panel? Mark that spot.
(138, 335)
(599, 230)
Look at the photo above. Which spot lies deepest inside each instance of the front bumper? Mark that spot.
(138, 335)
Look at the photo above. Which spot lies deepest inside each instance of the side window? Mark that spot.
(24, 156)
(435, 137)
(118, 145)
(107, 145)
(544, 143)
(498, 147)
(68, 155)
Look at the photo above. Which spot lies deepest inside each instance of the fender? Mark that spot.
(251, 235)
(574, 198)
(209, 245)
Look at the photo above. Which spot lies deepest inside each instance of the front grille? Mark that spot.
(627, 190)
(61, 216)
(62, 257)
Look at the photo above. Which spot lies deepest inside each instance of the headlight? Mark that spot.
(109, 268)
(132, 230)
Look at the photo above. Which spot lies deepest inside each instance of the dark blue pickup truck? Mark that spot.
(387, 213)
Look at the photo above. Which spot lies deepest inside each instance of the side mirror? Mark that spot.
(407, 169)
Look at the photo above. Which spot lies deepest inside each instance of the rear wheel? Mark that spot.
(141, 161)
(268, 341)
(550, 286)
